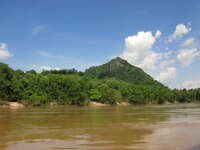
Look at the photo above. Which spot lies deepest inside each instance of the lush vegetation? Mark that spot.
(110, 83)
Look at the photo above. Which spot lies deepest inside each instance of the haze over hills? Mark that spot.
(122, 70)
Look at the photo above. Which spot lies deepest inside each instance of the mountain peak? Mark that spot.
(120, 69)
(118, 59)
(119, 62)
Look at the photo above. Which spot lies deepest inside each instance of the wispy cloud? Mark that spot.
(45, 53)
(190, 42)
(50, 55)
(188, 55)
(42, 68)
(180, 30)
(37, 29)
(190, 84)
(167, 75)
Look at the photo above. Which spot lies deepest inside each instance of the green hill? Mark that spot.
(114, 82)
(122, 70)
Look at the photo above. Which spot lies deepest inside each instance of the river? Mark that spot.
(152, 127)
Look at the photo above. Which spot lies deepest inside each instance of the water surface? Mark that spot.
(159, 127)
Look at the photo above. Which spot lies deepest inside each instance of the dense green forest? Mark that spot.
(113, 82)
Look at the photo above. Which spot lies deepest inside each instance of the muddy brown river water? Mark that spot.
(159, 127)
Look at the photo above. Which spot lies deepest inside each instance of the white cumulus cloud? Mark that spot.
(188, 55)
(180, 30)
(138, 51)
(4, 53)
(167, 75)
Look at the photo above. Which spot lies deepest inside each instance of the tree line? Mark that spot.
(76, 88)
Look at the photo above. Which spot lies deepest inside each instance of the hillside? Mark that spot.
(111, 83)
(122, 70)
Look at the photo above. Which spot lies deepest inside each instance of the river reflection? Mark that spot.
(166, 127)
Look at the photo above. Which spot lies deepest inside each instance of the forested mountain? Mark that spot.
(122, 70)
(113, 82)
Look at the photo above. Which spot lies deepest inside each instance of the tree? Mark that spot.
(95, 95)
(6, 75)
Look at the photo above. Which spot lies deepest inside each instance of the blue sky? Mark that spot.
(162, 37)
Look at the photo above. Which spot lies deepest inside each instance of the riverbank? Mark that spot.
(93, 103)
(11, 105)
(19, 105)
